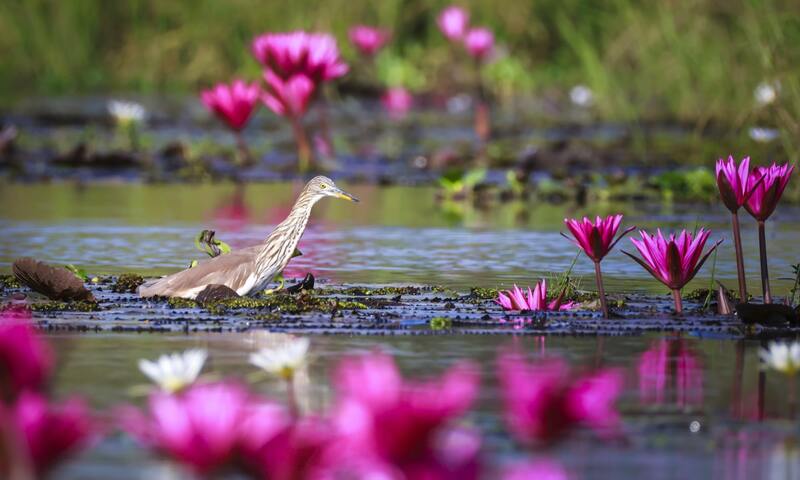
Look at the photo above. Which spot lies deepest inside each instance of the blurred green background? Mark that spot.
(695, 61)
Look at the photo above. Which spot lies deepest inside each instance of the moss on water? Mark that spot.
(304, 302)
(9, 281)
(127, 283)
(177, 302)
(57, 306)
(479, 293)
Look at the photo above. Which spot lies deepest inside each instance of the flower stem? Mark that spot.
(762, 248)
(244, 152)
(737, 242)
(304, 159)
(482, 120)
(598, 276)
(292, 397)
(676, 296)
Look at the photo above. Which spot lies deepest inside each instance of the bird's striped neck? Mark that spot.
(281, 243)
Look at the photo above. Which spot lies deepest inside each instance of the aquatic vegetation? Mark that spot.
(767, 185)
(536, 299)
(127, 283)
(25, 360)
(453, 22)
(398, 102)
(213, 247)
(368, 40)
(59, 306)
(543, 401)
(674, 261)
(782, 357)
(47, 432)
(234, 104)
(734, 191)
(457, 182)
(596, 240)
(175, 372)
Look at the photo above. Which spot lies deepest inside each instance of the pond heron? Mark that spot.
(251, 269)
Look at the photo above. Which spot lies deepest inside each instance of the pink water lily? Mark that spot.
(736, 185)
(389, 424)
(767, 185)
(205, 426)
(25, 360)
(596, 239)
(543, 402)
(368, 40)
(397, 101)
(453, 21)
(535, 300)
(674, 261)
(234, 104)
(314, 55)
(479, 42)
(46, 433)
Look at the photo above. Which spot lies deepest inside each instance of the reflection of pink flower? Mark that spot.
(399, 426)
(538, 470)
(655, 370)
(289, 97)
(542, 402)
(313, 55)
(479, 42)
(767, 194)
(397, 101)
(453, 22)
(368, 40)
(49, 433)
(233, 103)
(536, 300)
(25, 360)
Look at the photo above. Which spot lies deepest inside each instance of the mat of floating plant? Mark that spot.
(381, 310)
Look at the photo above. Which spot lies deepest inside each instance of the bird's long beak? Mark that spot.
(346, 196)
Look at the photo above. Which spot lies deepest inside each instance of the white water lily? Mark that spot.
(766, 92)
(763, 134)
(175, 371)
(126, 113)
(284, 359)
(783, 357)
(581, 95)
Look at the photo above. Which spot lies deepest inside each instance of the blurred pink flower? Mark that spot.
(388, 424)
(48, 433)
(453, 21)
(536, 299)
(535, 470)
(733, 182)
(543, 402)
(596, 238)
(203, 427)
(314, 55)
(674, 261)
(479, 42)
(25, 360)
(397, 101)
(287, 97)
(767, 193)
(368, 40)
(234, 103)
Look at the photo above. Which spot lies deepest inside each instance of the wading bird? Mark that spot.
(250, 269)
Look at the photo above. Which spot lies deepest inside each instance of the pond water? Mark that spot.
(701, 422)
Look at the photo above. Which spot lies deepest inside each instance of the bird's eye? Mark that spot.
(323, 186)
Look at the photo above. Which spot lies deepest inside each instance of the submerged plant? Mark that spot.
(767, 185)
(536, 299)
(674, 261)
(234, 104)
(596, 239)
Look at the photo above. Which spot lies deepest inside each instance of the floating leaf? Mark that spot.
(205, 242)
(78, 272)
(440, 323)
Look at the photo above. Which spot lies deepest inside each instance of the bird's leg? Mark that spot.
(280, 280)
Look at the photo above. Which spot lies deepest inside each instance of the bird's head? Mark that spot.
(324, 187)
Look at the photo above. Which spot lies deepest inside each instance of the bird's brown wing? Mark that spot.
(232, 270)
